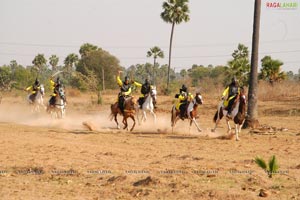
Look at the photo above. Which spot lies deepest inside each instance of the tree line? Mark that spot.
(94, 69)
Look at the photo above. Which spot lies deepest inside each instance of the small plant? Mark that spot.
(271, 168)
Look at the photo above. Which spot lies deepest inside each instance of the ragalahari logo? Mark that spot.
(282, 5)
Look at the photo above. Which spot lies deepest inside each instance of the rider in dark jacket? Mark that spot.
(145, 89)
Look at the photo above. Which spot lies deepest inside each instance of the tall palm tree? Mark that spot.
(69, 62)
(253, 84)
(39, 61)
(53, 60)
(156, 52)
(175, 12)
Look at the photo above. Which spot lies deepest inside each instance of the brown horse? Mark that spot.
(191, 112)
(129, 111)
(238, 113)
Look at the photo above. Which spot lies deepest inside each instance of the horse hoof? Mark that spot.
(237, 139)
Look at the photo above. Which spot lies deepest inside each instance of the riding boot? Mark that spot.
(229, 108)
(52, 101)
(141, 101)
(121, 103)
(182, 111)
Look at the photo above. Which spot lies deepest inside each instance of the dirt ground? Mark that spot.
(44, 158)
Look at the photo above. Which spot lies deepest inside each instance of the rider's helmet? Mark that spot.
(234, 80)
(146, 81)
(58, 81)
(184, 88)
(126, 80)
(37, 82)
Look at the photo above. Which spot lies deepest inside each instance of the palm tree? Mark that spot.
(156, 52)
(53, 62)
(39, 61)
(175, 12)
(69, 62)
(253, 84)
(271, 70)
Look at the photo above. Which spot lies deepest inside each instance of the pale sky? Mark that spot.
(128, 29)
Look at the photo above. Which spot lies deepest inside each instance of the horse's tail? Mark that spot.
(111, 116)
(216, 116)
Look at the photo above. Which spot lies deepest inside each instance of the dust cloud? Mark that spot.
(21, 113)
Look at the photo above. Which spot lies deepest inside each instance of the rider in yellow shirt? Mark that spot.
(125, 89)
(56, 88)
(184, 97)
(230, 94)
(34, 88)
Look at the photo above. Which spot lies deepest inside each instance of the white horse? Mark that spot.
(148, 105)
(38, 101)
(58, 110)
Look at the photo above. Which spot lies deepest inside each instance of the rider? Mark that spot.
(145, 89)
(231, 92)
(125, 89)
(184, 97)
(35, 87)
(56, 87)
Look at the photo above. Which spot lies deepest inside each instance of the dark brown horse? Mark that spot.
(238, 113)
(191, 112)
(129, 111)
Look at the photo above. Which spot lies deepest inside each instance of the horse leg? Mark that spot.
(237, 131)
(154, 115)
(132, 117)
(137, 110)
(125, 122)
(196, 124)
(217, 118)
(116, 120)
(144, 115)
(173, 116)
(228, 126)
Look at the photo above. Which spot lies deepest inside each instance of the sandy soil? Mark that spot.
(44, 158)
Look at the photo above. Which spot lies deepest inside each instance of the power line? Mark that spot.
(173, 57)
(132, 47)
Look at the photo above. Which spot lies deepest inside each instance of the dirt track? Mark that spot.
(60, 159)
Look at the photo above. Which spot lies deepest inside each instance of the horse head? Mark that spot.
(153, 92)
(198, 98)
(42, 90)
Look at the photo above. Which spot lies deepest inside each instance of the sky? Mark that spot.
(128, 29)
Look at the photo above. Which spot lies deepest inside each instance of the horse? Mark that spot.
(238, 114)
(148, 105)
(58, 110)
(129, 111)
(191, 112)
(38, 101)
